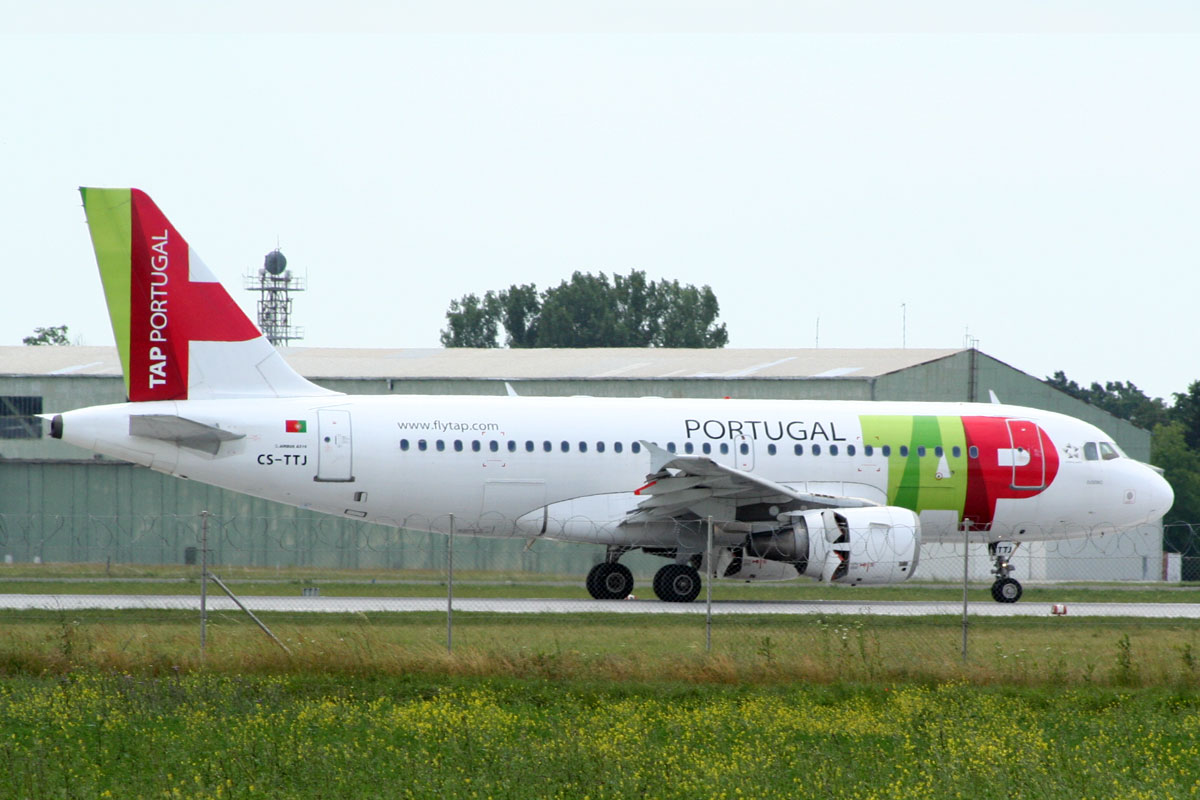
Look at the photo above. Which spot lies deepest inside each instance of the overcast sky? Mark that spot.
(1024, 176)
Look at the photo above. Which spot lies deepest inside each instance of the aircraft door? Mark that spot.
(335, 459)
(1026, 456)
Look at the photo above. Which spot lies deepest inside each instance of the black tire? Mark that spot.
(607, 581)
(1006, 590)
(677, 583)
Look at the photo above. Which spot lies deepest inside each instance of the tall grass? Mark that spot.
(763, 649)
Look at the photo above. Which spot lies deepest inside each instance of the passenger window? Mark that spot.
(636, 447)
(707, 448)
(440, 445)
(475, 445)
(422, 445)
(493, 445)
(599, 447)
(938, 451)
(1108, 452)
(868, 449)
(512, 446)
(904, 451)
(833, 450)
(670, 447)
(404, 444)
(724, 448)
(920, 451)
(546, 446)
(886, 450)
(956, 451)
(1090, 452)
(617, 447)
(815, 450)
(528, 445)
(771, 449)
(458, 445)
(744, 448)
(798, 449)
(689, 448)
(973, 452)
(566, 447)
(849, 449)
(583, 447)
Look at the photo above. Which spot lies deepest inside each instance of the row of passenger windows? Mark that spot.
(689, 448)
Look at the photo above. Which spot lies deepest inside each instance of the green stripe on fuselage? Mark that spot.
(109, 217)
(921, 483)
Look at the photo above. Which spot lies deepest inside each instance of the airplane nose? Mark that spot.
(1158, 493)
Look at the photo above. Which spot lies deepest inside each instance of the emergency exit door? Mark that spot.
(335, 447)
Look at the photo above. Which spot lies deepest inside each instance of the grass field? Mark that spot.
(123, 704)
(211, 735)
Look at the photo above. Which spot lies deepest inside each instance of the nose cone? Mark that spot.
(1159, 494)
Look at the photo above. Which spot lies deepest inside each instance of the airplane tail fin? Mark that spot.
(179, 333)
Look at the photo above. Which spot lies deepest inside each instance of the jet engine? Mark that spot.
(854, 546)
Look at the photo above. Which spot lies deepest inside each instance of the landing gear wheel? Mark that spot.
(1006, 590)
(677, 583)
(609, 581)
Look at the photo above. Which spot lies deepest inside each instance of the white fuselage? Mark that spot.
(567, 468)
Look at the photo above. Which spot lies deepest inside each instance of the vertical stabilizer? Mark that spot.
(179, 333)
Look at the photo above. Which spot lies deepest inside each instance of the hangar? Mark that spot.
(62, 504)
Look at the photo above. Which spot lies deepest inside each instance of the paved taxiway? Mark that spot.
(345, 605)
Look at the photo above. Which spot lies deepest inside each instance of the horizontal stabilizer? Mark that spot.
(184, 432)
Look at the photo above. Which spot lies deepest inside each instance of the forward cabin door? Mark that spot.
(335, 448)
(1027, 456)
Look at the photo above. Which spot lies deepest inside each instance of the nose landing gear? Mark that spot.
(1005, 589)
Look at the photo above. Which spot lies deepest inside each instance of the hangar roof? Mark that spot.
(516, 364)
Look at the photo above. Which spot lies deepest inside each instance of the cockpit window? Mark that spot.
(1108, 451)
(1090, 453)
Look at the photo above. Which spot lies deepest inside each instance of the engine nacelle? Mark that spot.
(857, 546)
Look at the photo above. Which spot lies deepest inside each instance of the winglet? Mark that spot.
(659, 457)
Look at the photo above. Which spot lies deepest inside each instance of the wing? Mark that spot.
(698, 487)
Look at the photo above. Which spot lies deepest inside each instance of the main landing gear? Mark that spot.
(1005, 589)
(674, 583)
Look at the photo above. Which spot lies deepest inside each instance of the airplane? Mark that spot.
(841, 491)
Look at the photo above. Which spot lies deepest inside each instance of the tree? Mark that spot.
(1122, 400)
(472, 322)
(590, 311)
(54, 335)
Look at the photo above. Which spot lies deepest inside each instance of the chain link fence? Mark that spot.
(466, 590)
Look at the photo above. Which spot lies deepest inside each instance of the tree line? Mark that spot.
(589, 311)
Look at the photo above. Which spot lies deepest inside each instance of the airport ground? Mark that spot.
(122, 703)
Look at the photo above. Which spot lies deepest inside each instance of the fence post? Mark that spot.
(450, 589)
(203, 582)
(966, 526)
(710, 571)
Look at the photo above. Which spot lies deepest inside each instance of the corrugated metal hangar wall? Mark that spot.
(62, 504)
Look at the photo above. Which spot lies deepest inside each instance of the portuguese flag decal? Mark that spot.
(296, 426)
